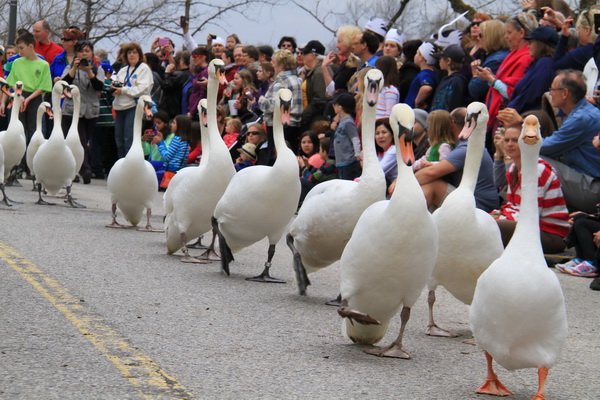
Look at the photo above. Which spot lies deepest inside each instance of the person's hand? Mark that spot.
(499, 144)
(237, 105)
(76, 62)
(527, 4)
(2, 109)
(572, 216)
(170, 68)
(202, 82)
(167, 49)
(24, 104)
(158, 138)
(392, 187)
(509, 116)
(117, 91)
(148, 135)
(474, 68)
(328, 60)
(154, 45)
(596, 142)
(56, 79)
(566, 25)
(485, 74)
(209, 39)
(597, 239)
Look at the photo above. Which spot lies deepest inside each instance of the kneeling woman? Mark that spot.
(552, 207)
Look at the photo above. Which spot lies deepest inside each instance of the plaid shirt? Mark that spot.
(283, 80)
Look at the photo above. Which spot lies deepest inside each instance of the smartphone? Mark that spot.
(164, 41)
(155, 129)
(213, 36)
(596, 22)
(183, 21)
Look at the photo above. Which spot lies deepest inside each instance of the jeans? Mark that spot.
(124, 130)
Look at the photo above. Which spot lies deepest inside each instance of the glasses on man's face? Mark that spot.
(553, 89)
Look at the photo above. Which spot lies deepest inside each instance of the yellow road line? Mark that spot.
(143, 373)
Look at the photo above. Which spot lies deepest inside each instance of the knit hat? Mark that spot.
(427, 49)
(377, 25)
(395, 36)
(219, 40)
(249, 149)
(421, 117)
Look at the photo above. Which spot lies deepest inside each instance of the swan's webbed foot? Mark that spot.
(149, 228)
(354, 315)
(494, 387)
(117, 225)
(72, 201)
(265, 277)
(211, 255)
(5, 198)
(301, 275)
(470, 341)
(193, 260)
(394, 350)
(434, 330)
(12, 178)
(197, 245)
(335, 302)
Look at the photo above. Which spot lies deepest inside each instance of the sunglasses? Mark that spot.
(66, 39)
(475, 23)
(253, 133)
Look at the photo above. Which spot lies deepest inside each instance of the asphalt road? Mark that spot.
(88, 312)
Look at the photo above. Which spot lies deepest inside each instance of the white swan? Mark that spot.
(463, 228)
(391, 253)
(194, 192)
(72, 139)
(54, 162)
(132, 180)
(13, 138)
(274, 192)
(331, 209)
(518, 312)
(38, 137)
(5, 88)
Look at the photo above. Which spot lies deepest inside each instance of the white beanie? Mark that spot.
(219, 40)
(427, 49)
(395, 36)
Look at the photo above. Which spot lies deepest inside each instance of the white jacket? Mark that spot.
(140, 83)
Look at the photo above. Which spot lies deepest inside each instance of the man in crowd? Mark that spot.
(43, 45)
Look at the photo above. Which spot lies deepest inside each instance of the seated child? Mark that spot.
(312, 176)
(175, 154)
(440, 137)
(151, 152)
(247, 157)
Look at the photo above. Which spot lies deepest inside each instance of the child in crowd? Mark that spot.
(233, 127)
(453, 90)
(35, 75)
(389, 95)
(193, 158)
(312, 176)
(247, 157)
(441, 139)
(151, 151)
(176, 152)
(423, 86)
(346, 140)
(309, 149)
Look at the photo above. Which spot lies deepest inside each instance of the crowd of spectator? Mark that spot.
(542, 60)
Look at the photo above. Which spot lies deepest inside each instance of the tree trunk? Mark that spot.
(460, 7)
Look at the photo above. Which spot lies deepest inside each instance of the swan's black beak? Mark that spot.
(470, 125)
(204, 116)
(372, 91)
(19, 88)
(286, 106)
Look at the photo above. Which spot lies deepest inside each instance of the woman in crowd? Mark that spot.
(133, 80)
(393, 45)
(309, 150)
(492, 40)
(477, 51)
(576, 58)
(552, 206)
(89, 79)
(510, 71)
(386, 151)
(345, 37)
(257, 135)
(200, 57)
(68, 40)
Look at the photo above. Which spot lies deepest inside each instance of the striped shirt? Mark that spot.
(175, 155)
(551, 203)
(388, 98)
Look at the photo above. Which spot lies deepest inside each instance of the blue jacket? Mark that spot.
(573, 141)
(58, 65)
(575, 59)
(478, 88)
(530, 89)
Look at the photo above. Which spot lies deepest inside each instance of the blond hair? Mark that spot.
(440, 127)
(492, 36)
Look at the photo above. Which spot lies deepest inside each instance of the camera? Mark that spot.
(84, 62)
(164, 41)
(213, 36)
(115, 86)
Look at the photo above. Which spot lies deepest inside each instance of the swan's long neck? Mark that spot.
(40, 114)
(473, 158)
(284, 154)
(528, 226)
(205, 141)
(406, 182)
(136, 146)
(371, 165)
(76, 109)
(215, 142)
(57, 132)
(14, 113)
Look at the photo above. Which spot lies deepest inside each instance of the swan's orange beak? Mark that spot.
(6, 88)
(470, 125)
(286, 107)
(67, 92)
(49, 112)
(19, 88)
(406, 151)
(220, 73)
(148, 110)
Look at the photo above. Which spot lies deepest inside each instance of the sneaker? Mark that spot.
(595, 285)
(564, 267)
(585, 269)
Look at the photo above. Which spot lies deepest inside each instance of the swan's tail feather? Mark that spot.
(226, 254)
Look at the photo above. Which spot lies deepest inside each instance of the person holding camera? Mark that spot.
(89, 78)
(133, 80)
